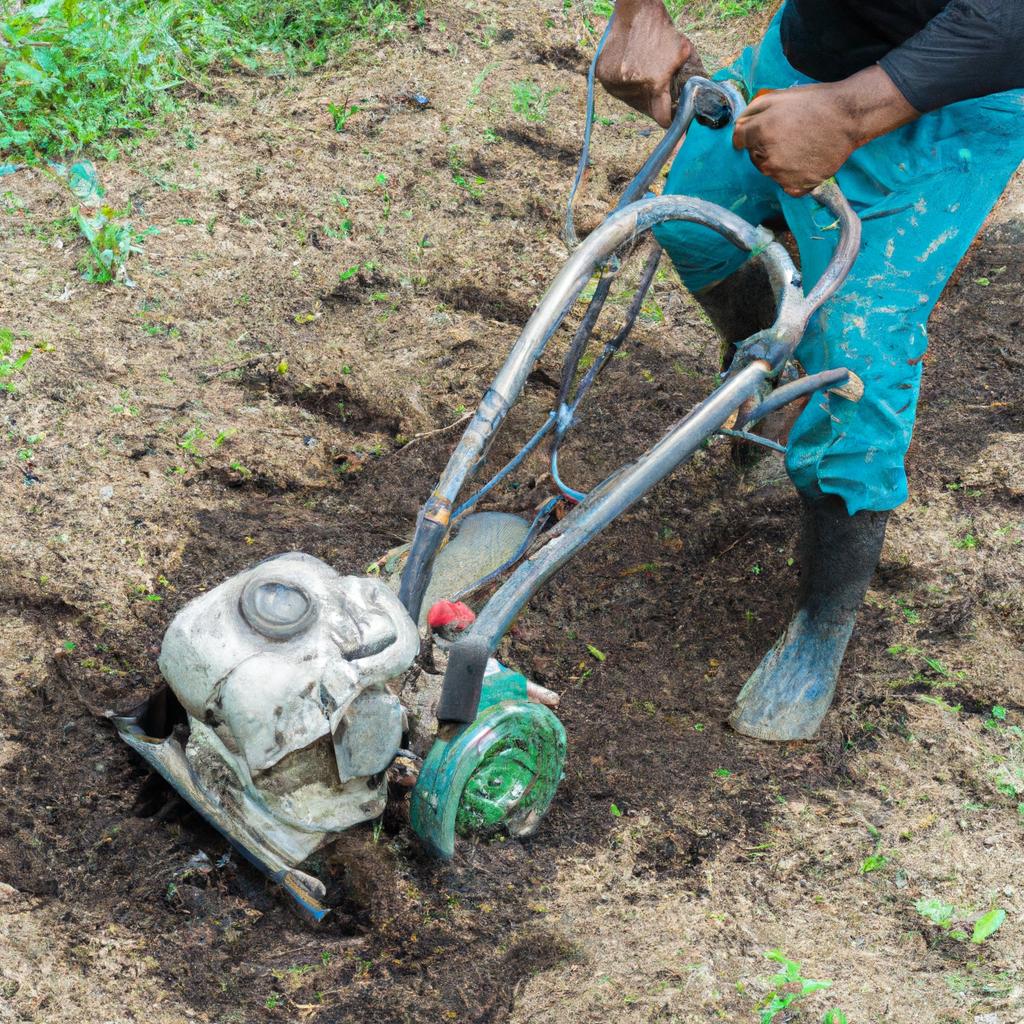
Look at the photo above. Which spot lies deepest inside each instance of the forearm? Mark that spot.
(803, 135)
(869, 105)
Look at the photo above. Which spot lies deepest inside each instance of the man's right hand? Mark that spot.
(642, 55)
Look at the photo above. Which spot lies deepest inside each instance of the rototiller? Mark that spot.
(304, 695)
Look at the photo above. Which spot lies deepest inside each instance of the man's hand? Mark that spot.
(803, 135)
(641, 57)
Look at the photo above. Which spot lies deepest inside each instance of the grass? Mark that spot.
(89, 73)
(676, 8)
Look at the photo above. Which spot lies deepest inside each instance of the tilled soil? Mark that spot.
(305, 335)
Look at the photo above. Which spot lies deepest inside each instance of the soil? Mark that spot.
(243, 399)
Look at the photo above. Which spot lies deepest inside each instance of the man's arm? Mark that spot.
(642, 56)
(803, 135)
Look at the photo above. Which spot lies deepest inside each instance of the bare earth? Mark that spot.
(242, 400)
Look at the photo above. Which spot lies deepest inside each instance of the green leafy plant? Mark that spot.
(936, 911)
(945, 916)
(988, 924)
(789, 985)
(340, 115)
(111, 242)
(530, 101)
(73, 73)
(10, 362)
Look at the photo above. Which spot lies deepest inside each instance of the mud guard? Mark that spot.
(499, 771)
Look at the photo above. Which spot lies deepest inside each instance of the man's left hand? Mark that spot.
(803, 135)
(796, 136)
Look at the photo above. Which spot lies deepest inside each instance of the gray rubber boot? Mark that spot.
(789, 692)
(739, 307)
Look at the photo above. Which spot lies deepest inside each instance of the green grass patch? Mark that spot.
(77, 73)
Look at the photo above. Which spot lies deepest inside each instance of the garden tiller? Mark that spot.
(299, 699)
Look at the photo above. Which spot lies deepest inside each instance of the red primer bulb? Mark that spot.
(450, 613)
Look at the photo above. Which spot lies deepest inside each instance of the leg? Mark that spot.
(846, 458)
(792, 688)
(732, 289)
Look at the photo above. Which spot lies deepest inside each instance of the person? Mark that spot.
(915, 106)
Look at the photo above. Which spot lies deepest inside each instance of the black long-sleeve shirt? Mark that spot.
(936, 51)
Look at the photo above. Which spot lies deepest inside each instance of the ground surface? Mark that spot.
(242, 400)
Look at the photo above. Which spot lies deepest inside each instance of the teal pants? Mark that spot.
(922, 193)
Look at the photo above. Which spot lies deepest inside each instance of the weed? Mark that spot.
(531, 102)
(455, 166)
(740, 8)
(111, 242)
(789, 986)
(912, 616)
(942, 705)
(874, 862)
(381, 181)
(10, 363)
(478, 82)
(124, 406)
(341, 114)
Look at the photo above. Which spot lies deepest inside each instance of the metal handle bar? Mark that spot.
(759, 358)
(468, 657)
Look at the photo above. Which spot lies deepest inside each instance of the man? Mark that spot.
(917, 108)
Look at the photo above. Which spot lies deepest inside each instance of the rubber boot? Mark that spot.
(789, 692)
(739, 306)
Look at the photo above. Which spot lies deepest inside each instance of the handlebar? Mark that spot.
(758, 359)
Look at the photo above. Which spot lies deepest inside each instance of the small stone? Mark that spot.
(7, 892)
(989, 841)
(106, 493)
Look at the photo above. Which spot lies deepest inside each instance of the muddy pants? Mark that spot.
(922, 193)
